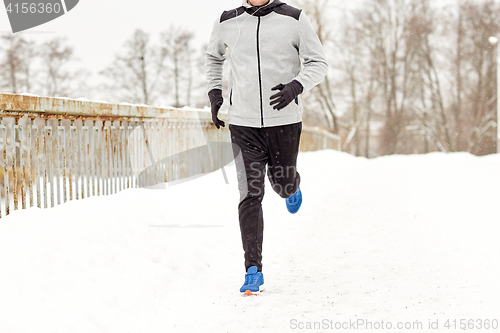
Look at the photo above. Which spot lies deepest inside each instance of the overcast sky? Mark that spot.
(97, 29)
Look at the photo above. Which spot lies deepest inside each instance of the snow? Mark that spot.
(163, 106)
(188, 108)
(397, 238)
(82, 99)
(28, 94)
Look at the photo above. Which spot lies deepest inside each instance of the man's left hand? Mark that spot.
(288, 92)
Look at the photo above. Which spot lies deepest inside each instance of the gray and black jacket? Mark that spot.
(265, 45)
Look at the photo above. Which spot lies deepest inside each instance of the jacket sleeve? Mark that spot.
(310, 49)
(214, 59)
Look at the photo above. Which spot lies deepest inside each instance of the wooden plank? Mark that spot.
(50, 162)
(22, 142)
(119, 146)
(45, 165)
(3, 164)
(14, 164)
(81, 160)
(57, 161)
(108, 158)
(38, 164)
(92, 158)
(98, 156)
(65, 160)
(31, 167)
(86, 136)
(72, 161)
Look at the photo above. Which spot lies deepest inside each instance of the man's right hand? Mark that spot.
(216, 101)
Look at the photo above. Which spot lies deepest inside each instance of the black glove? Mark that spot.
(288, 92)
(216, 101)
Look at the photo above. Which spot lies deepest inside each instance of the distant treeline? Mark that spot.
(406, 76)
(409, 76)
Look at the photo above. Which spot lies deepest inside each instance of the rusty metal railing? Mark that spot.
(314, 138)
(53, 150)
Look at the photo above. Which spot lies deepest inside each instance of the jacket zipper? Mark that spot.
(260, 78)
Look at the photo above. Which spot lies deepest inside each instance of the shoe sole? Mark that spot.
(250, 293)
(297, 204)
(293, 209)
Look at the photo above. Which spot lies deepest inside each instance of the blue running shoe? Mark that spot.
(254, 281)
(293, 203)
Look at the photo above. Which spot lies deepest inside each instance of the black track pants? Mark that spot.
(277, 147)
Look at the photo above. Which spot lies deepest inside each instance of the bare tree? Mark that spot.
(394, 60)
(55, 57)
(135, 73)
(429, 106)
(350, 63)
(30, 54)
(457, 113)
(479, 20)
(16, 63)
(394, 65)
(176, 45)
(322, 97)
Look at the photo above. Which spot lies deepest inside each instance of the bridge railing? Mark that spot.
(53, 150)
(314, 138)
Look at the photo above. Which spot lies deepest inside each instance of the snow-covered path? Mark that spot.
(398, 239)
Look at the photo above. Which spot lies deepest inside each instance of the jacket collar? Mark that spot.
(262, 10)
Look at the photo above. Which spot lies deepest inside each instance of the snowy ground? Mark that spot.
(398, 239)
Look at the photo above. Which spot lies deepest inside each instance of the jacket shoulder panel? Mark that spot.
(230, 14)
(288, 10)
